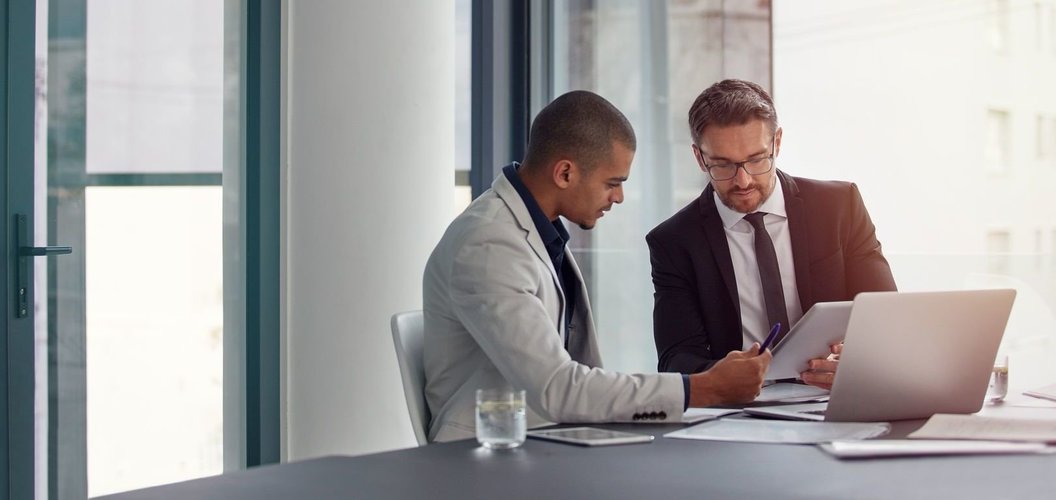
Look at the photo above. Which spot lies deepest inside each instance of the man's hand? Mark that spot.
(737, 378)
(822, 372)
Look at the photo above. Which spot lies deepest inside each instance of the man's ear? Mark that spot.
(777, 141)
(564, 173)
(699, 156)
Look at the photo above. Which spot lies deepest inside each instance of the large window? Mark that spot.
(129, 143)
(650, 59)
(998, 146)
(944, 136)
(937, 111)
(153, 272)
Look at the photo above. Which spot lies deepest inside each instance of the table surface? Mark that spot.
(666, 468)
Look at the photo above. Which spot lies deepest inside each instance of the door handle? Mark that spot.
(43, 251)
(25, 252)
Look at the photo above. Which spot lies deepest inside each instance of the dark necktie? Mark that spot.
(770, 275)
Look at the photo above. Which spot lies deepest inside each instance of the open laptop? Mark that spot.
(911, 355)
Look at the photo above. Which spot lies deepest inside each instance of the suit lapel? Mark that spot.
(581, 344)
(797, 230)
(720, 246)
(509, 195)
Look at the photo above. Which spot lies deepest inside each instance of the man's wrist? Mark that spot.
(686, 391)
(701, 390)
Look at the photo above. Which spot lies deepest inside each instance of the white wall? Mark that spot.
(370, 146)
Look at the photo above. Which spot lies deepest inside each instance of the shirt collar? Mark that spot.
(553, 233)
(775, 204)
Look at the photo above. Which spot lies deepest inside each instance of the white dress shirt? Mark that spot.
(741, 237)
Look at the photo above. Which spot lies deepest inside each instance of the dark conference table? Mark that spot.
(666, 468)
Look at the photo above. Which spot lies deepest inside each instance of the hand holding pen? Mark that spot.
(770, 338)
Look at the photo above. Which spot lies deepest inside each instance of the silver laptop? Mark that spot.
(911, 355)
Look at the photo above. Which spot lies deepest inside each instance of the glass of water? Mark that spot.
(998, 388)
(501, 420)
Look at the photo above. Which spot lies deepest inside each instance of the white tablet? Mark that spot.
(589, 436)
(823, 325)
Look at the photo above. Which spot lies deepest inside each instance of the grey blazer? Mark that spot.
(493, 317)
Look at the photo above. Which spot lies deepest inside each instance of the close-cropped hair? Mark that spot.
(731, 102)
(580, 126)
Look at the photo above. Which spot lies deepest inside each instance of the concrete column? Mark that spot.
(369, 183)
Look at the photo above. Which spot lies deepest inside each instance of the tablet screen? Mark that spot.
(823, 325)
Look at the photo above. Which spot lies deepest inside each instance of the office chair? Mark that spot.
(407, 330)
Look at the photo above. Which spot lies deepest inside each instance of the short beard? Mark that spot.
(758, 187)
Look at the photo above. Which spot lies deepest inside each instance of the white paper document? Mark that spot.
(944, 426)
(908, 448)
(694, 415)
(1047, 392)
(784, 392)
(777, 431)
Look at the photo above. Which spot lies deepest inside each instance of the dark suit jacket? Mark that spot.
(696, 311)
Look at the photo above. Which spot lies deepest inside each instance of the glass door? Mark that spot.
(153, 155)
(113, 336)
(20, 287)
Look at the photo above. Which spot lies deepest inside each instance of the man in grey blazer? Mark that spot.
(505, 304)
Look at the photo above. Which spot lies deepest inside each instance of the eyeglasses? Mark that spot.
(727, 171)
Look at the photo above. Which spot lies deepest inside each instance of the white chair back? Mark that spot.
(407, 330)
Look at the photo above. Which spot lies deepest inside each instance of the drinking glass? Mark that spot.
(998, 388)
(501, 422)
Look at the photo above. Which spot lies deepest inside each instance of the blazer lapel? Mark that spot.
(509, 195)
(581, 344)
(797, 230)
(720, 247)
(513, 200)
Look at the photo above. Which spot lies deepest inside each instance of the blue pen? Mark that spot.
(770, 338)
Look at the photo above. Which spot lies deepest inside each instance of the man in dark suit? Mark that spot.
(758, 247)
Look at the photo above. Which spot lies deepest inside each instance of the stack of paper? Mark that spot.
(784, 392)
(777, 431)
(694, 415)
(907, 448)
(1047, 392)
(944, 426)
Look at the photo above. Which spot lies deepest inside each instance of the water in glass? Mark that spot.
(998, 388)
(500, 418)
